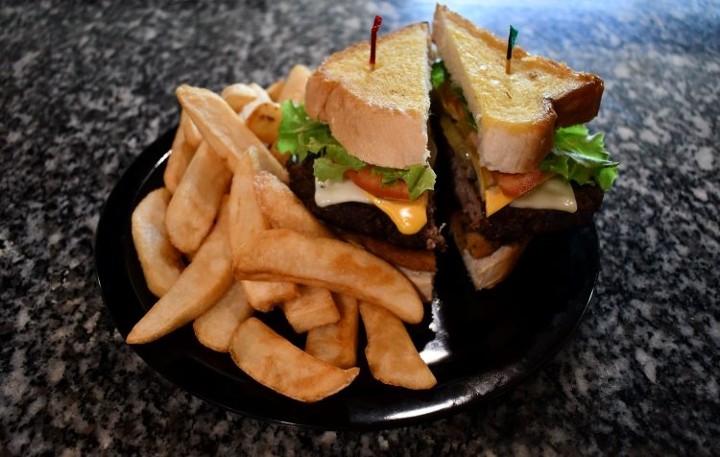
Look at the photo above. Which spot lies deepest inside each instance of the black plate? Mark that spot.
(479, 345)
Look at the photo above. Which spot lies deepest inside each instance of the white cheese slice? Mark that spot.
(408, 216)
(331, 193)
(555, 193)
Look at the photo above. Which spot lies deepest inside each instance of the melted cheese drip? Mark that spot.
(409, 216)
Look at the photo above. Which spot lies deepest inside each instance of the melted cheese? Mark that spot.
(555, 193)
(495, 200)
(331, 193)
(492, 195)
(409, 216)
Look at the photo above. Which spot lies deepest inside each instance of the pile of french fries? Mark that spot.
(226, 239)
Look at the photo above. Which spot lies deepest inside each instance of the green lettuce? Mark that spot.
(300, 136)
(581, 157)
(439, 75)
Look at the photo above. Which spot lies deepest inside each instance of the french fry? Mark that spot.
(194, 205)
(192, 134)
(283, 209)
(199, 286)
(274, 89)
(239, 95)
(287, 255)
(264, 121)
(246, 218)
(294, 87)
(275, 363)
(161, 262)
(261, 97)
(246, 222)
(314, 307)
(260, 247)
(264, 295)
(224, 131)
(337, 343)
(390, 353)
(215, 327)
(181, 154)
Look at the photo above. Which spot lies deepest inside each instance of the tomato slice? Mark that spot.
(516, 184)
(372, 183)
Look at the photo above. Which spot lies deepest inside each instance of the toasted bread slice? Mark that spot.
(487, 263)
(517, 113)
(379, 115)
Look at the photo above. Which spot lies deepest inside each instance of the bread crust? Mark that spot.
(516, 114)
(487, 262)
(392, 100)
(487, 272)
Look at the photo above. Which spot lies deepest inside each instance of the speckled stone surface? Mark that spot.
(84, 87)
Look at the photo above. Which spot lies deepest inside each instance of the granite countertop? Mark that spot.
(85, 87)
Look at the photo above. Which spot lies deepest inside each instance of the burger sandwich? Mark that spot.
(360, 153)
(522, 161)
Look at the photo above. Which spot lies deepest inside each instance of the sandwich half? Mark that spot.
(361, 156)
(522, 161)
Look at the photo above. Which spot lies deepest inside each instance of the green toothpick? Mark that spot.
(510, 46)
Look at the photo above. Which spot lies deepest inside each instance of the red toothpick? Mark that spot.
(373, 40)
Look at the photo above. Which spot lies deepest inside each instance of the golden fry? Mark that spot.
(274, 89)
(264, 295)
(287, 255)
(390, 353)
(294, 87)
(200, 285)
(240, 95)
(215, 327)
(264, 121)
(181, 154)
(283, 209)
(195, 203)
(192, 134)
(274, 362)
(161, 262)
(246, 222)
(224, 130)
(313, 307)
(337, 343)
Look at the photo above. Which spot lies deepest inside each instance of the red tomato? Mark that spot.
(372, 183)
(516, 184)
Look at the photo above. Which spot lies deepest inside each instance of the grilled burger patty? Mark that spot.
(512, 224)
(360, 217)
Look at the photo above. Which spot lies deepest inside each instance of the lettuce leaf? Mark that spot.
(581, 157)
(438, 74)
(300, 136)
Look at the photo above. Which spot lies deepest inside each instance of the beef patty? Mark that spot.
(512, 224)
(361, 217)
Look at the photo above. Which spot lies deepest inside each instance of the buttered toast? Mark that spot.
(392, 99)
(517, 113)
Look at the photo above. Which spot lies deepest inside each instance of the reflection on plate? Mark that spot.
(478, 345)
